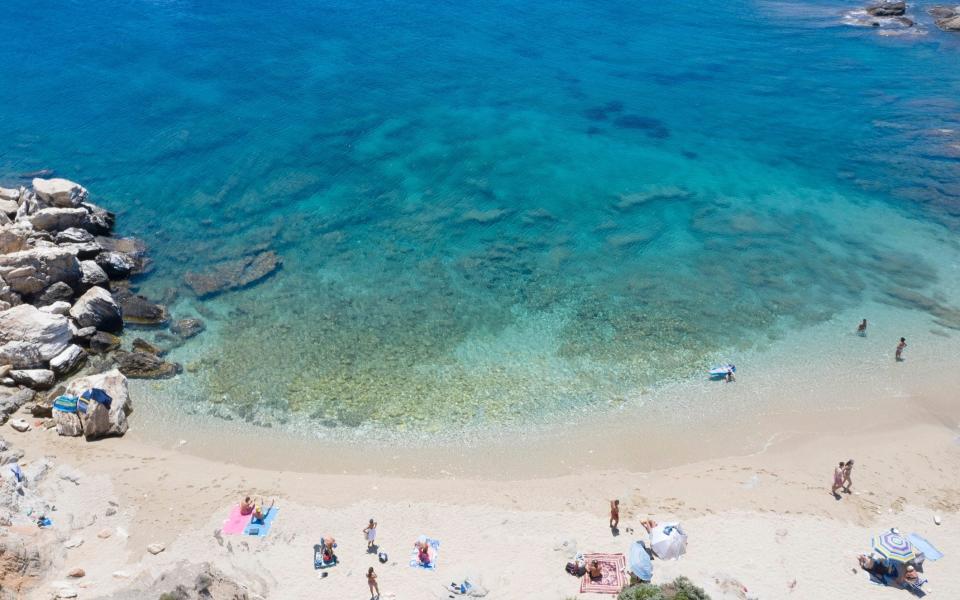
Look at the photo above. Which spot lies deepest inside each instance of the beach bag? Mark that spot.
(382, 557)
(576, 570)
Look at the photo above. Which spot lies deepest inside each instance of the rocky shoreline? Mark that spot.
(67, 292)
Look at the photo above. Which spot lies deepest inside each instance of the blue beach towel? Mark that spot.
(98, 395)
(261, 528)
(434, 551)
(921, 544)
(65, 403)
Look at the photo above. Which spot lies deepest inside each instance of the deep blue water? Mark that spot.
(491, 211)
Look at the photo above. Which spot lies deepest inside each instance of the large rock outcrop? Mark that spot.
(29, 272)
(947, 18)
(30, 337)
(97, 308)
(59, 219)
(100, 421)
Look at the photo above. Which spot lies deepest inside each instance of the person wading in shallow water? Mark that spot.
(862, 328)
(900, 347)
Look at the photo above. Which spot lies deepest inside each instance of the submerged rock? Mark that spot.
(888, 9)
(187, 328)
(233, 274)
(138, 310)
(140, 365)
(102, 342)
(133, 248)
(142, 345)
(947, 18)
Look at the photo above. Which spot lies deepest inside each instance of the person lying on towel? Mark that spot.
(423, 553)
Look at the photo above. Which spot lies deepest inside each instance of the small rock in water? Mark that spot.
(156, 548)
(104, 534)
(77, 572)
(187, 328)
(20, 425)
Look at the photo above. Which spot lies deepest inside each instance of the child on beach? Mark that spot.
(837, 479)
(372, 582)
(370, 531)
(900, 347)
(862, 329)
(246, 507)
(614, 514)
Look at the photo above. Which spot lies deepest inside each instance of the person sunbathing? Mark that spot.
(594, 572)
(246, 507)
(648, 524)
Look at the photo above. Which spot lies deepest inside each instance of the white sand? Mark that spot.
(766, 521)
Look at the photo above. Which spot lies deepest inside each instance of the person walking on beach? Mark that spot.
(900, 347)
(862, 328)
(847, 482)
(370, 532)
(372, 582)
(614, 515)
(838, 479)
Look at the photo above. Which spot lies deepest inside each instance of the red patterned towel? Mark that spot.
(612, 566)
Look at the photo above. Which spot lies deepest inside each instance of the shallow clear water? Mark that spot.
(490, 214)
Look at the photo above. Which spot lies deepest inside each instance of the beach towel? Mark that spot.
(921, 544)
(65, 403)
(235, 523)
(318, 562)
(613, 579)
(261, 529)
(433, 552)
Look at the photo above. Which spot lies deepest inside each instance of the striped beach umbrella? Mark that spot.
(893, 546)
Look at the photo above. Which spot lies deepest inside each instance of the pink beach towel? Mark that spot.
(612, 567)
(235, 523)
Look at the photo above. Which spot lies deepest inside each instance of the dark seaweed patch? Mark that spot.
(653, 127)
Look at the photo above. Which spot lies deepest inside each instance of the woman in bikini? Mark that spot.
(372, 582)
(837, 479)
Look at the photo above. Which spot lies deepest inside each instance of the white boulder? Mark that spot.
(68, 360)
(29, 337)
(60, 192)
(59, 219)
(60, 307)
(92, 274)
(99, 421)
(35, 379)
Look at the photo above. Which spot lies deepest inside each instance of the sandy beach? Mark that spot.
(761, 526)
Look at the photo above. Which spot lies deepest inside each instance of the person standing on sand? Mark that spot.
(847, 482)
(372, 582)
(862, 328)
(900, 347)
(370, 532)
(614, 514)
(838, 479)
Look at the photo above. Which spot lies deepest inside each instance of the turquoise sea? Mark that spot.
(495, 212)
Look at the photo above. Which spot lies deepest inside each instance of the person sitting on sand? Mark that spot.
(614, 514)
(423, 553)
(370, 532)
(327, 545)
(837, 479)
(594, 572)
(862, 328)
(648, 524)
(910, 577)
(246, 507)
